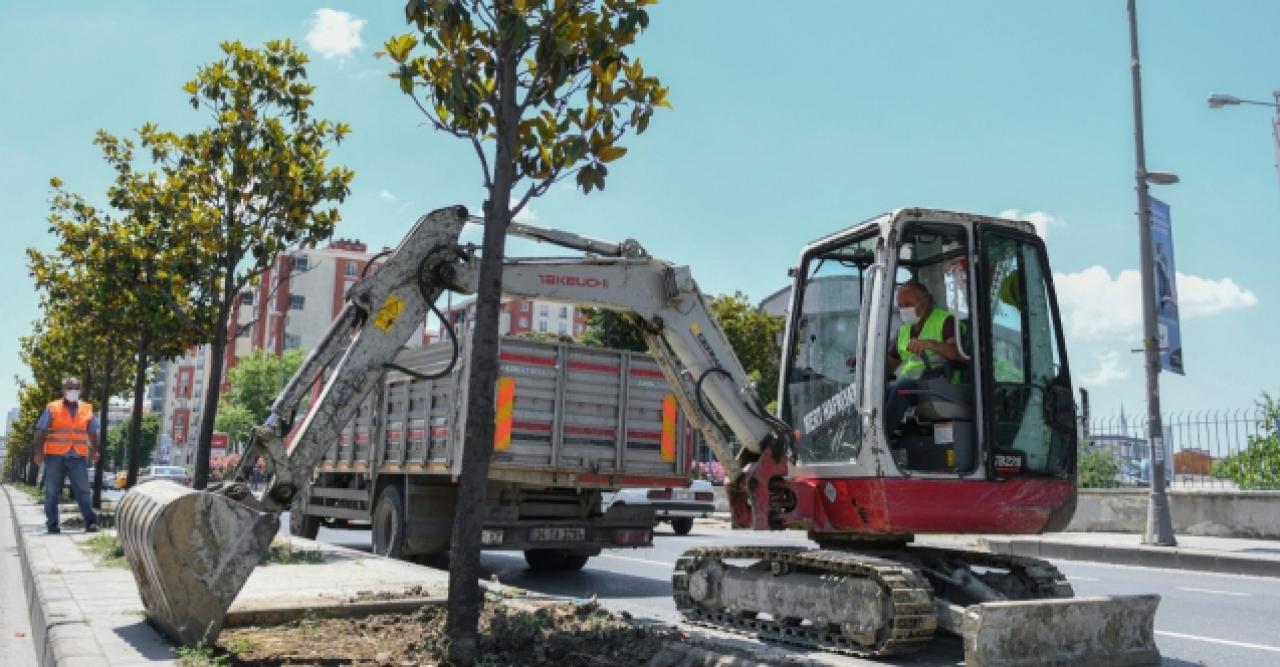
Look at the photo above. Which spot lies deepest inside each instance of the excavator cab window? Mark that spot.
(930, 412)
(1033, 416)
(819, 394)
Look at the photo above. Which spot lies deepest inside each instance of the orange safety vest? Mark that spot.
(67, 430)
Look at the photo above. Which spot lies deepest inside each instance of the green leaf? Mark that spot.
(610, 153)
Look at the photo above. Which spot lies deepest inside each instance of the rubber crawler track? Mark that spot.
(913, 622)
(909, 629)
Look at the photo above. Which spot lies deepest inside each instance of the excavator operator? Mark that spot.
(926, 348)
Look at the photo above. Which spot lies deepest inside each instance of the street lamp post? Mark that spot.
(1159, 524)
(1218, 101)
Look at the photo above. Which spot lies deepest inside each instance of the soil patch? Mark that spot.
(550, 634)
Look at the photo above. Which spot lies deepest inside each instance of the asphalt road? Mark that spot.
(16, 647)
(1204, 618)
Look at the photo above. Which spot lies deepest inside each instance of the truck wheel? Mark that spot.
(554, 560)
(302, 524)
(682, 526)
(388, 523)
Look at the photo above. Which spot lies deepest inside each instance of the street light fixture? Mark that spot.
(1161, 177)
(1219, 100)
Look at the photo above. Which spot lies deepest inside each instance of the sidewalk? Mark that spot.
(85, 614)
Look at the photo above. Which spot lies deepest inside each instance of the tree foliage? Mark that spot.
(1257, 466)
(235, 420)
(606, 328)
(117, 441)
(547, 85)
(754, 335)
(18, 464)
(257, 378)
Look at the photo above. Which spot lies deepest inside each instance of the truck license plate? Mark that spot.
(489, 537)
(557, 534)
(683, 494)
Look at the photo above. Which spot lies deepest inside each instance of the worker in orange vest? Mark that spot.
(66, 437)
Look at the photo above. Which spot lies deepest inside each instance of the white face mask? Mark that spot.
(71, 395)
(908, 315)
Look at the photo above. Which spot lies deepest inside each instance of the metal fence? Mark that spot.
(1202, 449)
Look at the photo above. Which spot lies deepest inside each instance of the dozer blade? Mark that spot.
(190, 552)
(1103, 631)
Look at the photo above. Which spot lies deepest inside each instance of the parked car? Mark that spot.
(678, 507)
(172, 473)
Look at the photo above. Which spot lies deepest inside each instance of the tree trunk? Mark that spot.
(213, 390)
(104, 425)
(464, 565)
(135, 419)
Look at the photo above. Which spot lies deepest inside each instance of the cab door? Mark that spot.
(1030, 424)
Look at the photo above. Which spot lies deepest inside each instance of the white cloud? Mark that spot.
(335, 33)
(1096, 305)
(386, 196)
(1039, 219)
(1108, 370)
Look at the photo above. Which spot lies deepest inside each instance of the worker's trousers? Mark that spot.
(74, 468)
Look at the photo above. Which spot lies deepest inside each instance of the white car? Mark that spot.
(676, 506)
(172, 473)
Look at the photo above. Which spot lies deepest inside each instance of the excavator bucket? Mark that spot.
(190, 552)
(1114, 631)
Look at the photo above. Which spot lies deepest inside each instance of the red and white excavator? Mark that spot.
(986, 443)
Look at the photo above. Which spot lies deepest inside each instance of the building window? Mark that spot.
(564, 312)
(242, 331)
(524, 306)
(564, 327)
(351, 269)
(524, 322)
(291, 341)
(542, 309)
(542, 326)
(297, 302)
(301, 263)
(246, 298)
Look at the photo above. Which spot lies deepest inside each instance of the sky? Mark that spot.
(790, 120)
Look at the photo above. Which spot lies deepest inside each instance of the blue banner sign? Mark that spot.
(1166, 286)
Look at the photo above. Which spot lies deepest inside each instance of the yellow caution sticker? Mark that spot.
(388, 313)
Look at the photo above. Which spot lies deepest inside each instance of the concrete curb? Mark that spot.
(1178, 558)
(279, 615)
(61, 633)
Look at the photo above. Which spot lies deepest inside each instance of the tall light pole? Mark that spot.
(1218, 101)
(1159, 524)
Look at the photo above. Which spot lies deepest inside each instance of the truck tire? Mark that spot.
(389, 523)
(682, 526)
(303, 525)
(554, 560)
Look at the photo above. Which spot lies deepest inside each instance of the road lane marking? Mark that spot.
(646, 561)
(1082, 578)
(1215, 640)
(1211, 590)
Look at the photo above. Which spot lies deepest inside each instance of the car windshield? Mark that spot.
(170, 471)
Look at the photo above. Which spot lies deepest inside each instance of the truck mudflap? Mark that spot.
(190, 552)
(1110, 631)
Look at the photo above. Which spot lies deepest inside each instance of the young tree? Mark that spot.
(543, 90)
(236, 421)
(754, 336)
(254, 183)
(258, 377)
(118, 441)
(606, 328)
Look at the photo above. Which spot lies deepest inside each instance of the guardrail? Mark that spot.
(1226, 450)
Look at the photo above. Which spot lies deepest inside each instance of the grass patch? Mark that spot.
(282, 552)
(36, 493)
(106, 546)
(201, 655)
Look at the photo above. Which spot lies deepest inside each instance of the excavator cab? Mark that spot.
(998, 405)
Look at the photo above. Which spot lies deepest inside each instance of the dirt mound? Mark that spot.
(552, 634)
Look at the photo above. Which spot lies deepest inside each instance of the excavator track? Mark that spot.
(910, 626)
(1040, 578)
